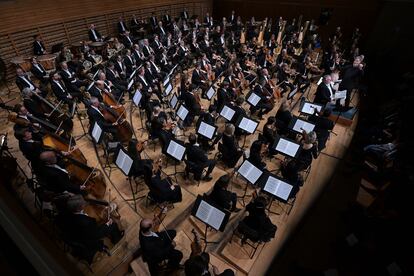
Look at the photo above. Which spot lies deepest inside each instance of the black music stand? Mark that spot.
(277, 188)
(175, 150)
(85, 132)
(206, 130)
(297, 125)
(251, 173)
(124, 163)
(211, 215)
(287, 147)
(227, 113)
(307, 108)
(248, 125)
(252, 98)
(136, 100)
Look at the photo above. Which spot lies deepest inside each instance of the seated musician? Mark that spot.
(157, 119)
(192, 103)
(324, 92)
(209, 118)
(224, 95)
(79, 227)
(283, 78)
(264, 105)
(259, 225)
(38, 46)
(96, 116)
(129, 62)
(257, 152)
(120, 67)
(134, 151)
(197, 78)
(113, 76)
(61, 92)
(163, 60)
(25, 120)
(157, 71)
(93, 34)
(283, 117)
(199, 158)
(116, 91)
(32, 103)
(158, 246)
(291, 173)
(40, 73)
(30, 145)
(222, 197)
(323, 125)
(269, 133)
(166, 134)
(198, 265)
(146, 49)
(23, 81)
(70, 79)
(301, 79)
(54, 175)
(230, 150)
(138, 55)
(166, 190)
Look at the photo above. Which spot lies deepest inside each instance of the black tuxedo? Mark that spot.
(223, 198)
(94, 91)
(153, 21)
(147, 50)
(58, 181)
(38, 48)
(129, 62)
(323, 94)
(200, 160)
(60, 91)
(92, 37)
(163, 189)
(128, 41)
(96, 117)
(31, 150)
(39, 72)
(184, 15)
(122, 27)
(24, 83)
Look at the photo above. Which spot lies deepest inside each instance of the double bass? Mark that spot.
(124, 129)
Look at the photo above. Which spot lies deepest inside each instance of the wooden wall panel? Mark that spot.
(67, 21)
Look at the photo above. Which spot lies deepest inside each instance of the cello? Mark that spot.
(124, 130)
(109, 100)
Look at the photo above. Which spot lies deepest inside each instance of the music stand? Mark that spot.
(175, 150)
(287, 147)
(253, 99)
(136, 99)
(210, 93)
(298, 125)
(249, 172)
(211, 215)
(276, 187)
(207, 130)
(182, 112)
(248, 125)
(227, 113)
(292, 94)
(308, 108)
(96, 133)
(168, 89)
(85, 132)
(173, 101)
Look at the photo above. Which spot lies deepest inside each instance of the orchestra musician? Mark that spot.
(165, 189)
(230, 150)
(324, 92)
(113, 76)
(95, 114)
(209, 118)
(40, 73)
(23, 81)
(72, 82)
(30, 145)
(158, 246)
(61, 92)
(222, 197)
(198, 265)
(121, 25)
(108, 86)
(192, 102)
(323, 126)
(93, 34)
(257, 153)
(264, 105)
(38, 46)
(199, 158)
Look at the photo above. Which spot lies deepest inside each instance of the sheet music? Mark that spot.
(182, 112)
(227, 113)
(96, 132)
(206, 130)
(168, 89)
(320, 81)
(176, 150)
(173, 101)
(287, 147)
(166, 80)
(131, 82)
(309, 108)
(124, 162)
(278, 188)
(300, 124)
(210, 93)
(248, 125)
(137, 97)
(210, 215)
(292, 93)
(253, 99)
(250, 172)
(340, 95)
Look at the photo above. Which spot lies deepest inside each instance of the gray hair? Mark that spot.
(229, 129)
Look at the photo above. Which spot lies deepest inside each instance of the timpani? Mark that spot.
(23, 62)
(47, 61)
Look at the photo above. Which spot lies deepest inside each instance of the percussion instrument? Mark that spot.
(24, 62)
(76, 47)
(47, 61)
(98, 46)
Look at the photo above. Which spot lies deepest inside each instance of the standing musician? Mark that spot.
(158, 246)
(199, 158)
(38, 46)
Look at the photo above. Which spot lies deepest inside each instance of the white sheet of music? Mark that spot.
(206, 130)
(182, 112)
(253, 99)
(309, 108)
(137, 97)
(168, 89)
(300, 124)
(248, 125)
(210, 215)
(278, 187)
(96, 132)
(173, 101)
(249, 171)
(287, 147)
(124, 162)
(227, 113)
(166, 81)
(210, 93)
(176, 150)
(340, 95)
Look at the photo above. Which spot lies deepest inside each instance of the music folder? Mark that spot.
(176, 150)
(298, 125)
(277, 187)
(174, 101)
(207, 130)
(249, 171)
(182, 112)
(137, 97)
(210, 214)
(247, 124)
(227, 112)
(168, 89)
(166, 81)
(309, 108)
(210, 93)
(123, 161)
(287, 147)
(340, 95)
(292, 93)
(96, 133)
(253, 99)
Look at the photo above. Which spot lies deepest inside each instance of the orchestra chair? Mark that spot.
(244, 233)
(190, 168)
(154, 195)
(109, 148)
(153, 140)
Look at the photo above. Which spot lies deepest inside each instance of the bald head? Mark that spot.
(48, 157)
(145, 225)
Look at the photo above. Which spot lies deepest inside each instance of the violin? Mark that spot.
(158, 219)
(195, 245)
(156, 166)
(264, 150)
(102, 210)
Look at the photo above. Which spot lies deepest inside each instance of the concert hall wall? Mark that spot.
(67, 21)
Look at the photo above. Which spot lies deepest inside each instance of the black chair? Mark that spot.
(191, 167)
(154, 196)
(248, 236)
